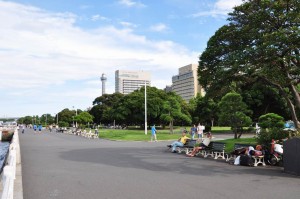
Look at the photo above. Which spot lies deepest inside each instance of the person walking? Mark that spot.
(200, 129)
(40, 127)
(23, 128)
(153, 133)
(34, 128)
(193, 131)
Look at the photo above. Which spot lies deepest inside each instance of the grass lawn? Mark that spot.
(162, 134)
(137, 135)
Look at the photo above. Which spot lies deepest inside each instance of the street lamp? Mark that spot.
(145, 108)
(76, 115)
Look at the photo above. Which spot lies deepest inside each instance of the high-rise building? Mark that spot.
(127, 81)
(103, 80)
(186, 83)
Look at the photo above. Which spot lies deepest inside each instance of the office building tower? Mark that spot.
(186, 83)
(127, 81)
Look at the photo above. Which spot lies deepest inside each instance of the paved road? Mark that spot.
(60, 166)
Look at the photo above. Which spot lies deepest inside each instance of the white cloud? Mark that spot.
(98, 17)
(159, 27)
(220, 9)
(42, 53)
(128, 24)
(130, 3)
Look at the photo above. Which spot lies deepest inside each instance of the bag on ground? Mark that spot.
(246, 160)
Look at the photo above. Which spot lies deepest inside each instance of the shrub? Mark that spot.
(271, 128)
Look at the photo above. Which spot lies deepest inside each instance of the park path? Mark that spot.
(61, 166)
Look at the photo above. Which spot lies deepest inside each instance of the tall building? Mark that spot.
(127, 81)
(186, 83)
(103, 80)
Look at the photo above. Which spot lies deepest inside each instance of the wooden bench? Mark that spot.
(215, 150)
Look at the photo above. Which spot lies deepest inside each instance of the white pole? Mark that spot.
(145, 108)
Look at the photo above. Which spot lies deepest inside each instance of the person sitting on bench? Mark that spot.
(181, 141)
(205, 142)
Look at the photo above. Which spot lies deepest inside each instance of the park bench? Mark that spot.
(187, 147)
(215, 150)
(257, 159)
(232, 155)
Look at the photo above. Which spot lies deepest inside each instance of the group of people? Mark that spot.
(202, 142)
(199, 130)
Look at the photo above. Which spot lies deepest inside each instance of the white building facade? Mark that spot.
(127, 81)
(186, 83)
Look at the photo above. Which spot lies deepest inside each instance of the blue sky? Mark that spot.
(54, 52)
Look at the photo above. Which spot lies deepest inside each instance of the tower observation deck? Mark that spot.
(103, 79)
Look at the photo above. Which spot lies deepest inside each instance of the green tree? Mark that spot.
(25, 120)
(102, 106)
(233, 112)
(204, 110)
(261, 43)
(271, 128)
(84, 118)
(66, 116)
(172, 111)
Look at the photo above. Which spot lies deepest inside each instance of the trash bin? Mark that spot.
(291, 157)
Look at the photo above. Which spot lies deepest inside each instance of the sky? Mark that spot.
(53, 52)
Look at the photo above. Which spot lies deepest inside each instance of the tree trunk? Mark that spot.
(241, 132)
(289, 102)
(297, 100)
(235, 132)
(171, 127)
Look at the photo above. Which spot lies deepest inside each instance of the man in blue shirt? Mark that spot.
(153, 133)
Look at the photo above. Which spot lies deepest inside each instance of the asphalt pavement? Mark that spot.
(61, 166)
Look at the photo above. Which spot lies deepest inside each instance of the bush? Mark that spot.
(265, 136)
(271, 128)
(271, 120)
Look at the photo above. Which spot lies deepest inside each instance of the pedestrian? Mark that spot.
(23, 128)
(193, 131)
(153, 133)
(34, 127)
(50, 128)
(40, 127)
(200, 129)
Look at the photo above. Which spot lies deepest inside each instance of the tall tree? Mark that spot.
(173, 112)
(204, 110)
(234, 112)
(84, 118)
(261, 43)
(102, 106)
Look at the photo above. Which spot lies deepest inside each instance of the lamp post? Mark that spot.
(76, 115)
(46, 120)
(145, 108)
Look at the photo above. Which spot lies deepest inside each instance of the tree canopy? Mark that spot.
(261, 43)
(234, 112)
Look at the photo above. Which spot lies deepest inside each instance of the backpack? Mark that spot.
(246, 160)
